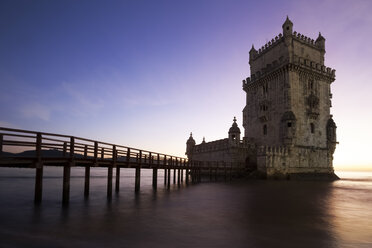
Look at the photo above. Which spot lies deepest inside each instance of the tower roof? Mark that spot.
(320, 37)
(234, 128)
(287, 22)
(191, 140)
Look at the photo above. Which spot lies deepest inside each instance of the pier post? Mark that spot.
(64, 149)
(169, 172)
(87, 174)
(1, 145)
(187, 172)
(117, 167)
(155, 174)
(110, 173)
(117, 179)
(183, 164)
(179, 172)
(138, 173)
(67, 174)
(174, 171)
(128, 157)
(39, 171)
(95, 153)
(165, 169)
(109, 181)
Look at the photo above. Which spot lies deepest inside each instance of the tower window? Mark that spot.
(312, 127)
(264, 129)
(289, 124)
(233, 137)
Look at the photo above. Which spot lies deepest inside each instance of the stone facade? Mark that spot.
(288, 128)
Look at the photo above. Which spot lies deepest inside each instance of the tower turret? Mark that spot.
(234, 133)
(190, 146)
(287, 27)
(320, 42)
(252, 53)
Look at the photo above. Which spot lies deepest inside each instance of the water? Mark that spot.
(212, 214)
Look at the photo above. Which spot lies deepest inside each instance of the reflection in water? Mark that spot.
(351, 204)
(238, 214)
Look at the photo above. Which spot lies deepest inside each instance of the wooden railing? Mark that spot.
(23, 148)
(30, 149)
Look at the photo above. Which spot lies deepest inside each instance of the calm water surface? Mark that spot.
(211, 214)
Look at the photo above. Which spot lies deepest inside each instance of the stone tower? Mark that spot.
(288, 101)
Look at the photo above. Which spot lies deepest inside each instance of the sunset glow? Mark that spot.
(147, 73)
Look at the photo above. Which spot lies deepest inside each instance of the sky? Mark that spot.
(147, 73)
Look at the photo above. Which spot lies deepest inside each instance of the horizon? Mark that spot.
(145, 75)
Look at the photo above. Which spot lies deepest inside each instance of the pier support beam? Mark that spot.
(117, 179)
(38, 184)
(170, 163)
(165, 169)
(155, 173)
(165, 176)
(109, 181)
(179, 177)
(67, 174)
(87, 180)
(137, 180)
(174, 176)
(66, 184)
(138, 174)
(87, 173)
(154, 178)
(39, 171)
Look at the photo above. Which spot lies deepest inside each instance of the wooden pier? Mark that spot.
(29, 149)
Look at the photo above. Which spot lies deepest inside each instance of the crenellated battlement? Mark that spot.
(304, 39)
(297, 63)
(212, 146)
(267, 46)
(254, 54)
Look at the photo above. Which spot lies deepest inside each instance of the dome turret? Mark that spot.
(190, 146)
(234, 132)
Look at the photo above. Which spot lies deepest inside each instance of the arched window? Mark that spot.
(312, 127)
(264, 129)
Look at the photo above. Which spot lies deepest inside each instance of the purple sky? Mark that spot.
(147, 73)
